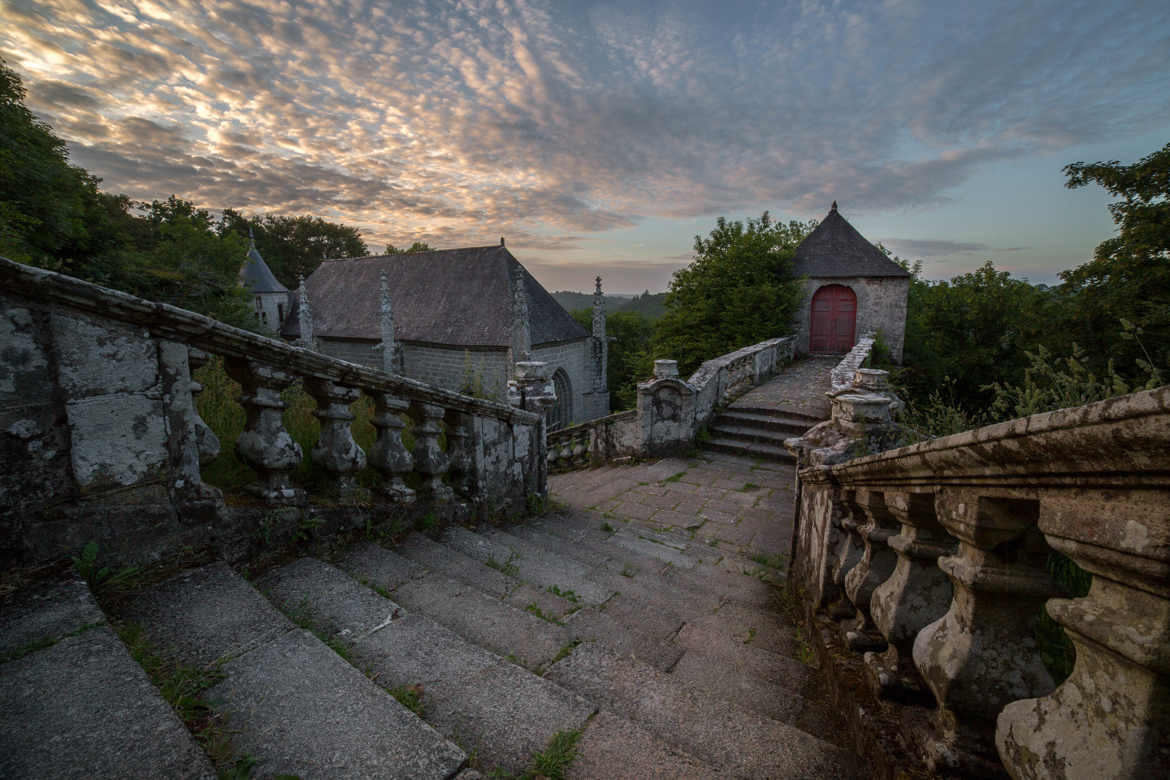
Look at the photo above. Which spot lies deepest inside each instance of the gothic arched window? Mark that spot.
(560, 414)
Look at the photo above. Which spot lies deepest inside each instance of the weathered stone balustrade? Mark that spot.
(977, 516)
(102, 440)
(670, 410)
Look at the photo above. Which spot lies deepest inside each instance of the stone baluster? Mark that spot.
(336, 451)
(875, 567)
(206, 441)
(981, 654)
(461, 453)
(429, 458)
(1111, 717)
(915, 595)
(265, 445)
(389, 455)
(581, 448)
(849, 549)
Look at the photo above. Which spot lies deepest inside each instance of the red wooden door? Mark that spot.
(834, 315)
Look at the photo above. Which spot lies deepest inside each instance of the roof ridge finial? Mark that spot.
(833, 207)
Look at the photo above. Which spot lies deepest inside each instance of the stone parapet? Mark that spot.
(980, 515)
(98, 418)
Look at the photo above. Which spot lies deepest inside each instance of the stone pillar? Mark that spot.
(182, 422)
(1111, 717)
(875, 567)
(915, 595)
(336, 451)
(666, 410)
(265, 445)
(600, 343)
(390, 354)
(429, 458)
(389, 455)
(308, 339)
(981, 654)
(533, 390)
(206, 440)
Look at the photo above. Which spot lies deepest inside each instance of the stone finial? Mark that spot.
(502, 241)
(833, 207)
(666, 369)
(600, 345)
(521, 321)
(304, 315)
(597, 289)
(388, 346)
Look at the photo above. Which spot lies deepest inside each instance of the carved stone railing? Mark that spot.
(101, 429)
(977, 516)
(842, 374)
(670, 411)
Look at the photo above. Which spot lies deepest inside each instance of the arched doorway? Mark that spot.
(561, 413)
(833, 319)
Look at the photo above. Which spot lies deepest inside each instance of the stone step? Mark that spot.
(472, 614)
(723, 429)
(734, 739)
(613, 748)
(772, 412)
(748, 449)
(791, 425)
(497, 710)
(76, 704)
(521, 559)
(288, 700)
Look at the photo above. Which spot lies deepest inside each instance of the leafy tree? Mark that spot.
(417, 246)
(1128, 278)
(294, 246)
(739, 290)
(46, 204)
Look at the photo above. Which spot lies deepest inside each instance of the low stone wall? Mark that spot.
(670, 411)
(842, 375)
(102, 441)
(926, 567)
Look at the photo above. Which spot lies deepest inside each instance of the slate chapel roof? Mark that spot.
(460, 297)
(257, 276)
(835, 249)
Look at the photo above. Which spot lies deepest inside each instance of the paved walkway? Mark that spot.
(799, 389)
(730, 504)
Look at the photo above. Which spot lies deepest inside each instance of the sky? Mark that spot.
(600, 138)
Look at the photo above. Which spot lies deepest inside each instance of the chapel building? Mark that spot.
(851, 289)
(269, 298)
(456, 318)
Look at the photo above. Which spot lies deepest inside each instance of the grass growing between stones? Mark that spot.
(183, 687)
(778, 561)
(534, 609)
(556, 758)
(675, 477)
(409, 696)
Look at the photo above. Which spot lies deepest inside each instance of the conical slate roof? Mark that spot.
(836, 249)
(458, 297)
(257, 276)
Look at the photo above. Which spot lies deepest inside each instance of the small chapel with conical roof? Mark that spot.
(270, 299)
(851, 289)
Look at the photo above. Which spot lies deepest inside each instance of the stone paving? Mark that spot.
(800, 389)
(733, 504)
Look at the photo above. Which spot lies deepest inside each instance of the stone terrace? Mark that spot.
(798, 389)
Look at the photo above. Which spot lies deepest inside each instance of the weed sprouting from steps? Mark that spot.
(751, 636)
(381, 591)
(749, 486)
(240, 770)
(554, 761)
(302, 617)
(507, 567)
(427, 523)
(568, 594)
(564, 651)
(409, 696)
(86, 566)
(777, 561)
(675, 477)
(609, 529)
(535, 609)
(183, 687)
(804, 652)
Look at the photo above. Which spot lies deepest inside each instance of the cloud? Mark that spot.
(457, 123)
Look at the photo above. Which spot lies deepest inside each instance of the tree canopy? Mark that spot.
(417, 246)
(739, 290)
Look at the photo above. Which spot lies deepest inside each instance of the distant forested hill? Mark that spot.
(649, 305)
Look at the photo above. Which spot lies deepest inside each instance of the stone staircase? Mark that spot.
(756, 432)
(668, 658)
